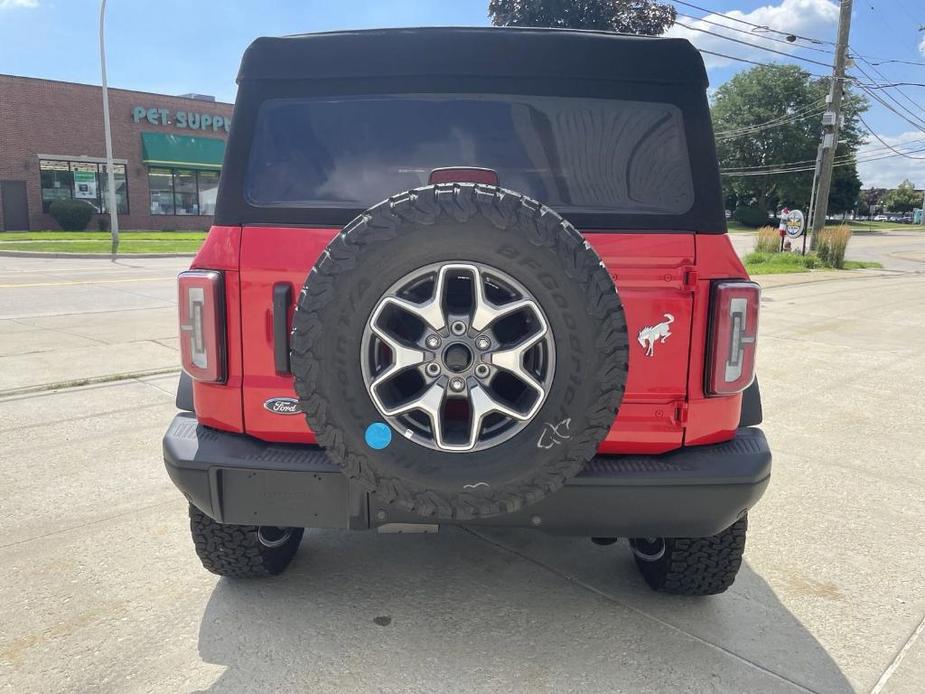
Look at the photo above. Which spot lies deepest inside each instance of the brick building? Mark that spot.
(167, 154)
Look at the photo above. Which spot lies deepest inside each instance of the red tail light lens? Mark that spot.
(202, 325)
(733, 335)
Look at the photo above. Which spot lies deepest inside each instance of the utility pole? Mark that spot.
(830, 122)
(111, 200)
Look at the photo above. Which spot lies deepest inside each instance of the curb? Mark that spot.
(107, 256)
(89, 381)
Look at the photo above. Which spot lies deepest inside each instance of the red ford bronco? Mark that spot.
(471, 276)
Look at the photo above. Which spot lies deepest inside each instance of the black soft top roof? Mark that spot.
(460, 51)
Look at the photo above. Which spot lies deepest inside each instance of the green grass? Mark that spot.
(101, 235)
(781, 263)
(859, 225)
(100, 241)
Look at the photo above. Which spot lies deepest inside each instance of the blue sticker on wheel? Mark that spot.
(378, 436)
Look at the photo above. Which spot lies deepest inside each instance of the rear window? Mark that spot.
(573, 154)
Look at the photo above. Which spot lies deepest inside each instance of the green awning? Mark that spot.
(167, 149)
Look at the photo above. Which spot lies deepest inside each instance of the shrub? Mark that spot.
(750, 216)
(71, 215)
(768, 240)
(832, 244)
(102, 223)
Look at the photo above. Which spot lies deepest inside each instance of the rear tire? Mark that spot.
(242, 551)
(692, 565)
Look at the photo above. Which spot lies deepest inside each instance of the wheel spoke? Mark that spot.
(431, 312)
(429, 402)
(512, 361)
(485, 313)
(403, 357)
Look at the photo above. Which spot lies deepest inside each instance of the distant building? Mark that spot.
(167, 153)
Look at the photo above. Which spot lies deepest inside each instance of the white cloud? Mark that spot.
(10, 4)
(922, 46)
(889, 172)
(815, 18)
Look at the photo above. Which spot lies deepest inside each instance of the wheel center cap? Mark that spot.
(457, 357)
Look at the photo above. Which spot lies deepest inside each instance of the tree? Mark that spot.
(623, 16)
(846, 186)
(792, 101)
(903, 198)
(871, 200)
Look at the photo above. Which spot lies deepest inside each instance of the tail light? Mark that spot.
(733, 333)
(202, 325)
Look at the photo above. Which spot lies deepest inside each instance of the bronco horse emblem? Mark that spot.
(649, 334)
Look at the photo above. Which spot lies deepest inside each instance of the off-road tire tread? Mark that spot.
(234, 551)
(458, 202)
(698, 565)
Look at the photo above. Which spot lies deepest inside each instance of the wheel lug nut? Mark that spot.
(482, 370)
(457, 385)
(432, 369)
(432, 341)
(458, 328)
(482, 342)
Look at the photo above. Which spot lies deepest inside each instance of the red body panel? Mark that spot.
(656, 274)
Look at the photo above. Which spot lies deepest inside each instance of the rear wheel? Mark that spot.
(692, 565)
(242, 551)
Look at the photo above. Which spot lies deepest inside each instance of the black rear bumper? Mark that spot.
(691, 492)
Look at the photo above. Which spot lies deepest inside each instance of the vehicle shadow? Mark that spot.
(498, 611)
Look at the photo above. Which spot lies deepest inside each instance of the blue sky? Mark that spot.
(177, 46)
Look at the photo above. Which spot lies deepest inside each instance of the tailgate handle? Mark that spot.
(282, 298)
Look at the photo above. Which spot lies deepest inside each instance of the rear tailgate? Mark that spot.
(653, 272)
(655, 275)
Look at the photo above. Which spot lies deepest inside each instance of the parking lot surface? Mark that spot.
(101, 590)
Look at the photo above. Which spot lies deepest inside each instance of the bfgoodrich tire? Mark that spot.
(692, 565)
(519, 239)
(242, 551)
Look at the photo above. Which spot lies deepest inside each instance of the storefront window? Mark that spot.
(118, 172)
(86, 182)
(208, 189)
(56, 182)
(80, 180)
(160, 184)
(182, 191)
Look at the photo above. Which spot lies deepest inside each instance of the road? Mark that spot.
(102, 591)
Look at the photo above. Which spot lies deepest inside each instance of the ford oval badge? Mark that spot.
(285, 406)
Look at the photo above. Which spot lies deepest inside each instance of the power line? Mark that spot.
(883, 142)
(876, 97)
(883, 61)
(897, 84)
(890, 96)
(752, 33)
(860, 156)
(809, 165)
(804, 169)
(752, 24)
(750, 44)
(792, 118)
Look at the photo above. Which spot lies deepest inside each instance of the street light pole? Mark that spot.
(110, 175)
(830, 122)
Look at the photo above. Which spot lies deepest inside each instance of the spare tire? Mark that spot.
(460, 350)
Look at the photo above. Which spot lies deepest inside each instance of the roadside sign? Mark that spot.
(793, 223)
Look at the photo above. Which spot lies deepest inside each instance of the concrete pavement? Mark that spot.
(102, 591)
(68, 320)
